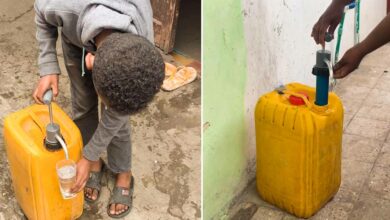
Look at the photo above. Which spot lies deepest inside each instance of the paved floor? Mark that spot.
(365, 188)
(166, 135)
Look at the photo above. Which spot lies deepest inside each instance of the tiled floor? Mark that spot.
(365, 189)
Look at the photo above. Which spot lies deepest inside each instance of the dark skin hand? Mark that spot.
(348, 63)
(352, 58)
(328, 21)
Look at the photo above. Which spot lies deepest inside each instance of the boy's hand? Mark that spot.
(327, 22)
(82, 175)
(45, 83)
(349, 62)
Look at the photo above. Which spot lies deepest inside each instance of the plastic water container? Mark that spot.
(33, 166)
(298, 149)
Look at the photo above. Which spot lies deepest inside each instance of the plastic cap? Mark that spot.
(295, 100)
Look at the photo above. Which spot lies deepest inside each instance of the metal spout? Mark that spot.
(47, 98)
(52, 129)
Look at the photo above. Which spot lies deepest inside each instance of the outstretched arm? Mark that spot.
(378, 37)
(352, 58)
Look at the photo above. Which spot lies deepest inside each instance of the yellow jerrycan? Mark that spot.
(32, 162)
(299, 138)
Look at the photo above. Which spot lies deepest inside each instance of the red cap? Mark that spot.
(295, 100)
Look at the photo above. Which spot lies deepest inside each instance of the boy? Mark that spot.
(122, 68)
(352, 58)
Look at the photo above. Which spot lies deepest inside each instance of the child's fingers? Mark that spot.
(35, 96)
(55, 90)
(83, 186)
(81, 181)
(77, 187)
(77, 183)
(74, 187)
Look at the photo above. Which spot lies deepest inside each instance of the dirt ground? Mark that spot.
(165, 136)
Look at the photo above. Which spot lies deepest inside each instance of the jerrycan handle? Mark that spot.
(323, 110)
(303, 97)
(38, 122)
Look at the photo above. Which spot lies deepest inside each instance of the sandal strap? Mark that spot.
(94, 180)
(123, 195)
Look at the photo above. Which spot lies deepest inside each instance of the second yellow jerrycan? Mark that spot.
(298, 149)
(32, 162)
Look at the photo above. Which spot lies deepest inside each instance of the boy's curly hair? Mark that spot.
(128, 71)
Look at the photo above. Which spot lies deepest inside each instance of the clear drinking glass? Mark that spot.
(66, 172)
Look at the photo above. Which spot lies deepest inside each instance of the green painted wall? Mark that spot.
(223, 105)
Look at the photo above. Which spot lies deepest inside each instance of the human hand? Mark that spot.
(327, 22)
(82, 175)
(349, 62)
(45, 83)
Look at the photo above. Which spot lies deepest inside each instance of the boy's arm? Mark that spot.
(109, 125)
(47, 61)
(46, 36)
(351, 59)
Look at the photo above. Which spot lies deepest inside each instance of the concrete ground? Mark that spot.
(165, 136)
(365, 188)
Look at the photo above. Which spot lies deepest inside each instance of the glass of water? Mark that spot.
(66, 171)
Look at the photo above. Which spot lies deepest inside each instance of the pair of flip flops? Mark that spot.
(176, 77)
(120, 195)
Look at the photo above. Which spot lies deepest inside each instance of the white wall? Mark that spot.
(280, 49)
